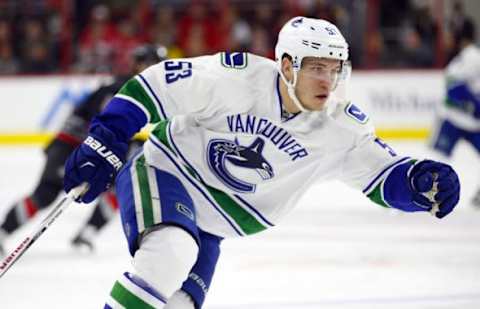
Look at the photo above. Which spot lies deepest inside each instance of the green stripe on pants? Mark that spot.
(146, 196)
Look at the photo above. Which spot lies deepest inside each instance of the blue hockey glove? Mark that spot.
(434, 183)
(96, 161)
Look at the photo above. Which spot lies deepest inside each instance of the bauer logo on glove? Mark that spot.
(104, 152)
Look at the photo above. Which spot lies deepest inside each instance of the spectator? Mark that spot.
(8, 63)
(322, 9)
(260, 43)
(194, 43)
(406, 34)
(37, 59)
(425, 28)
(393, 24)
(129, 38)
(263, 34)
(197, 32)
(234, 32)
(374, 48)
(164, 31)
(5, 32)
(415, 51)
(35, 48)
(97, 42)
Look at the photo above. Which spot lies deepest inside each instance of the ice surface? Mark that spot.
(336, 250)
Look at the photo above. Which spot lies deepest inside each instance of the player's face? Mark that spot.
(316, 79)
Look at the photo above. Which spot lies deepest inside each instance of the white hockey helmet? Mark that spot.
(304, 37)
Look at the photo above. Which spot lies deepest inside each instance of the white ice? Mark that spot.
(336, 250)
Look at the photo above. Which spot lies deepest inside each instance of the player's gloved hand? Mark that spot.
(434, 183)
(96, 161)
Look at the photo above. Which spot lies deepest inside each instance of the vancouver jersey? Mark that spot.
(220, 130)
(463, 70)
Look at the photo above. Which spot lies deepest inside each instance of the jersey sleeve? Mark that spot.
(464, 67)
(368, 162)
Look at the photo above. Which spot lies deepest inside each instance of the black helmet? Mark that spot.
(149, 54)
(466, 31)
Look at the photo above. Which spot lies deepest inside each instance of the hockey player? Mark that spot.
(460, 113)
(238, 139)
(74, 130)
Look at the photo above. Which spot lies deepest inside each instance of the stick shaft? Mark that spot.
(15, 255)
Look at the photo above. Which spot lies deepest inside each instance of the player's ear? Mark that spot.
(287, 68)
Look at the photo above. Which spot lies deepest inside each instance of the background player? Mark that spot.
(460, 113)
(238, 139)
(74, 130)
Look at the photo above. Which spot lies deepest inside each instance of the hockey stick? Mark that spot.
(51, 217)
(431, 195)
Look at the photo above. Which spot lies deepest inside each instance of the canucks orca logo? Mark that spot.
(226, 158)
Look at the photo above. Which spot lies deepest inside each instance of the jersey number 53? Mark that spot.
(176, 70)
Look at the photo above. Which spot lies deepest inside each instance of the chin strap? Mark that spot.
(291, 91)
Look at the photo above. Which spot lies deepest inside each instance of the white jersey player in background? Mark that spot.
(460, 114)
(238, 139)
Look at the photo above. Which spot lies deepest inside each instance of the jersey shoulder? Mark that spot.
(242, 77)
(220, 83)
(240, 61)
(240, 66)
(351, 118)
(465, 65)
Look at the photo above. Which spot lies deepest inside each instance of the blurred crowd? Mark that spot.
(87, 36)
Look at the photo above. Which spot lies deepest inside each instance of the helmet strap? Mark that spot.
(291, 90)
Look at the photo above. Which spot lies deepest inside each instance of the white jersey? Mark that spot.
(223, 135)
(464, 69)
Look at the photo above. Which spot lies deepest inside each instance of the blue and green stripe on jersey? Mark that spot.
(139, 92)
(374, 191)
(242, 216)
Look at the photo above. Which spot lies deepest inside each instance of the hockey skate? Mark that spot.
(82, 242)
(3, 236)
